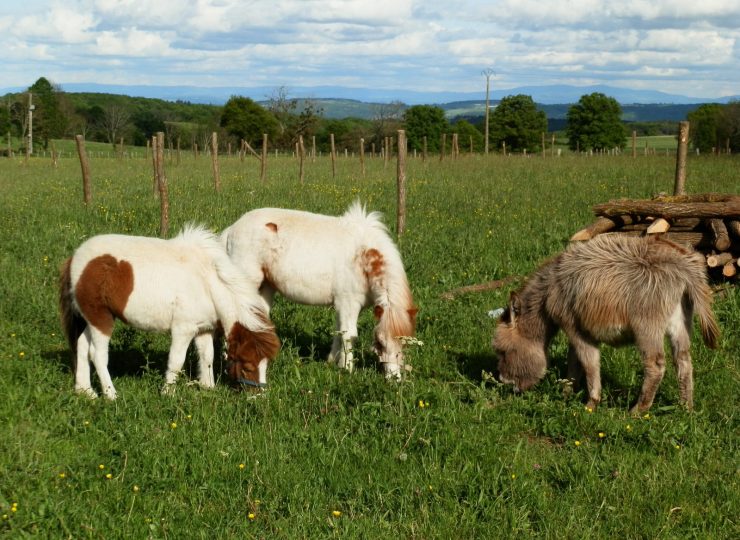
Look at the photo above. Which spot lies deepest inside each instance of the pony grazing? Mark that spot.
(348, 261)
(615, 290)
(187, 286)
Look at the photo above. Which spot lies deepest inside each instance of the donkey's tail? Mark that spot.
(72, 322)
(700, 295)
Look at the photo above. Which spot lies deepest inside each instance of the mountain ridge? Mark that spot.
(545, 94)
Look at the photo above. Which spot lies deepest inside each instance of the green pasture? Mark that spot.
(448, 453)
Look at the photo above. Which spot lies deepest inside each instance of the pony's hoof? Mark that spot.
(168, 389)
(88, 392)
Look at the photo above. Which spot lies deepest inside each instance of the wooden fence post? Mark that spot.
(164, 199)
(634, 143)
(263, 165)
(362, 156)
(544, 149)
(214, 161)
(85, 164)
(54, 155)
(424, 150)
(301, 152)
(401, 178)
(155, 170)
(333, 157)
(683, 149)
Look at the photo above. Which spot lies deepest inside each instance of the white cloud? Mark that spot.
(414, 44)
(131, 42)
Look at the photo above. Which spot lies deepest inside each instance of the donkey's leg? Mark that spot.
(99, 349)
(679, 332)
(346, 334)
(181, 338)
(575, 371)
(83, 384)
(590, 360)
(653, 361)
(204, 346)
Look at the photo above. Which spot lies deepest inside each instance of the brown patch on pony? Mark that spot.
(103, 290)
(72, 324)
(272, 226)
(245, 350)
(378, 312)
(412, 317)
(373, 262)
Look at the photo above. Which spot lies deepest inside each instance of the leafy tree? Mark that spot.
(4, 120)
(425, 121)
(242, 118)
(147, 123)
(347, 133)
(595, 123)
(729, 125)
(49, 122)
(517, 122)
(465, 130)
(703, 126)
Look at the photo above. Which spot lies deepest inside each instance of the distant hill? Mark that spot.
(473, 110)
(546, 94)
(340, 102)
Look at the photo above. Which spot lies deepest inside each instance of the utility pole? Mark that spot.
(487, 74)
(31, 107)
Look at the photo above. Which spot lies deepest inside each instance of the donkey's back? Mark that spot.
(615, 284)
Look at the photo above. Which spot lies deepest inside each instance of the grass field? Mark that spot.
(448, 453)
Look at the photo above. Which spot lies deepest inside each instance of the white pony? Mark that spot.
(187, 286)
(349, 262)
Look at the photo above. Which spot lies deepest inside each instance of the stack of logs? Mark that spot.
(709, 222)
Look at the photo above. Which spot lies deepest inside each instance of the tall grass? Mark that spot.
(448, 453)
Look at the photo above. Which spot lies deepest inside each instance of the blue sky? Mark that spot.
(689, 47)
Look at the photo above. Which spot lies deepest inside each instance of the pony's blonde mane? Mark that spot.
(251, 304)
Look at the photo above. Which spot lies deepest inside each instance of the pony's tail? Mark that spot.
(700, 295)
(72, 322)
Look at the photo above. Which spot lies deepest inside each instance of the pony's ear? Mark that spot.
(378, 312)
(515, 305)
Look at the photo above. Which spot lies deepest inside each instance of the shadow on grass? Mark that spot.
(615, 392)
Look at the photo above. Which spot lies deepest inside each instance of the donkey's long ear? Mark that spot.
(515, 306)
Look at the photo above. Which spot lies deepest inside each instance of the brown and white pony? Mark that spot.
(612, 289)
(186, 285)
(348, 261)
